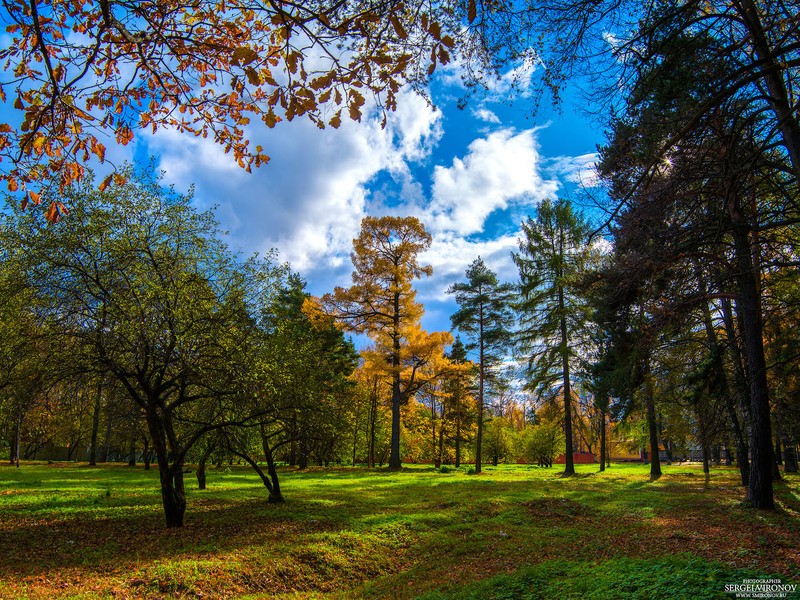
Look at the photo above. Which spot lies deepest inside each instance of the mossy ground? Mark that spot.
(73, 531)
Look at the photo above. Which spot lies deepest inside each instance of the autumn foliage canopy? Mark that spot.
(80, 73)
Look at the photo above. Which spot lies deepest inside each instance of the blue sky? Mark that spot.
(471, 175)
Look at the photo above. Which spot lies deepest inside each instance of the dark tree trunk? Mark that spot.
(481, 386)
(437, 461)
(776, 471)
(275, 494)
(458, 425)
(652, 426)
(569, 465)
(778, 451)
(107, 445)
(749, 308)
(706, 458)
(146, 453)
(602, 439)
(373, 417)
(790, 462)
(173, 494)
(440, 453)
(95, 426)
(15, 438)
(742, 392)
(394, 452)
(132, 448)
(201, 466)
(733, 418)
(302, 455)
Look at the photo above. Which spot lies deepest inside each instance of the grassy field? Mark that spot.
(74, 531)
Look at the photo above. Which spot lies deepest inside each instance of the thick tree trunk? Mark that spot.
(778, 450)
(173, 494)
(749, 308)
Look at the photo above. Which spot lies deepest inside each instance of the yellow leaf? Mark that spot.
(52, 213)
(105, 183)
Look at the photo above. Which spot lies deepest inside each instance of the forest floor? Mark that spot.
(73, 531)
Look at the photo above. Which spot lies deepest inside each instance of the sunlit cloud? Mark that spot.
(498, 169)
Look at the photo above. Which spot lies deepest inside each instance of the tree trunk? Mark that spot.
(652, 426)
(569, 466)
(440, 453)
(749, 307)
(373, 417)
(790, 462)
(302, 454)
(733, 418)
(201, 466)
(481, 383)
(742, 391)
(778, 451)
(458, 424)
(107, 445)
(132, 447)
(173, 494)
(275, 494)
(602, 440)
(394, 450)
(706, 458)
(146, 452)
(15, 438)
(95, 425)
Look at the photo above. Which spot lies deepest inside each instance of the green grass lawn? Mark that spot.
(74, 531)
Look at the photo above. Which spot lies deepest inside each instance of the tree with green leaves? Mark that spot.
(485, 316)
(553, 256)
(143, 286)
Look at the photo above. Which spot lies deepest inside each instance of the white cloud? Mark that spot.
(581, 170)
(450, 255)
(500, 168)
(309, 200)
(484, 114)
